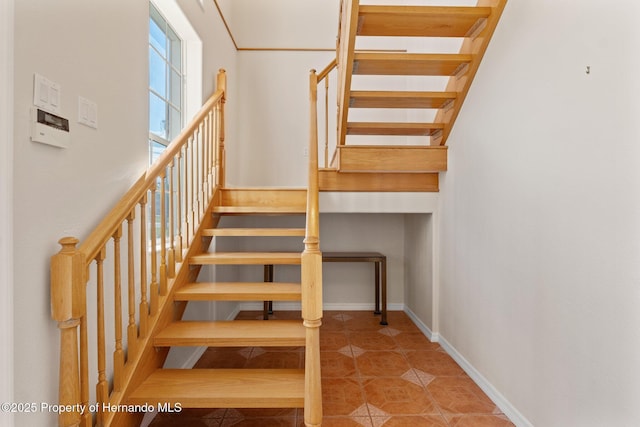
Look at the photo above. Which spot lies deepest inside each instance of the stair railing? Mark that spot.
(311, 269)
(136, 252)
(345, 52)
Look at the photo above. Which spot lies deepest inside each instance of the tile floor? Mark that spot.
(372, 376)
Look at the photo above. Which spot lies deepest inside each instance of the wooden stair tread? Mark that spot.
(262, 232)
(410, 64)
(233, 333)
(398, 129)
(259, 210)
(246, 258)
(223, 388)
(398, 99)
(420, 21)
(239, 291)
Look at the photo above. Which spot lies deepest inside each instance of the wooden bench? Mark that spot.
(380, 267)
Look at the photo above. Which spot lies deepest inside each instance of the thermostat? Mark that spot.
(49, 128)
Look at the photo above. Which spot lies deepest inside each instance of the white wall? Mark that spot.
(540, 215)
(101, 54)
(418, 267)
(273, 118)
(6, 208)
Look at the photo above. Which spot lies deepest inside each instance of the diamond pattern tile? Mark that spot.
(372, 376)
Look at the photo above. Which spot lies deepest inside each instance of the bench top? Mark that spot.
(353, 256)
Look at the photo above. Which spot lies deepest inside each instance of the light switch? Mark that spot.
(47, 95)
(87, 112)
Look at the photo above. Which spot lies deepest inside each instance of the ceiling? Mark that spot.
(281, 24)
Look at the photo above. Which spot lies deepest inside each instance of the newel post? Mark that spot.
(311, 272)
(68, 281)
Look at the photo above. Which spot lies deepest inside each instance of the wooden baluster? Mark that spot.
(201, 173)
(210, 183)
(153, 223)
(188, 192)
(163, 235)
(132, 328)
(172, 222)
(179, 225)
(326, 121)
(118, 354)
(102, 388)
(218, 148)
(194, 183)
(222, 85)
(311, 274)
(144, 304)
(68, 308)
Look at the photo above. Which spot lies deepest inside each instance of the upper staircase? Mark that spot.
(390, 138)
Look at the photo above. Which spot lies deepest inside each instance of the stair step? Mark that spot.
(257, 291)
(379, 99)
(287, 198)
(259, 210)
(246, 258)
(223, 388)
(392, 158)
(393, 129)
(410, 64)
(420, 21)
(333, 180)
(233, 333)
(254, 232)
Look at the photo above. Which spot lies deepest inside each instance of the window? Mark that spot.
(165, 83)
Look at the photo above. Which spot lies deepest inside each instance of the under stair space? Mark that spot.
(415, 43)
(238, 388)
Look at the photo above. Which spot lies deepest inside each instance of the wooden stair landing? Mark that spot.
(223, 388)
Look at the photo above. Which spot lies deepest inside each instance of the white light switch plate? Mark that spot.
(87, 112)
(46, 94)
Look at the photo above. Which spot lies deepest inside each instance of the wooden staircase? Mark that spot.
(148, 253)
(235, 388)
(412, 153)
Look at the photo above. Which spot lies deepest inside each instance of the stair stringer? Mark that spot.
(151, 357)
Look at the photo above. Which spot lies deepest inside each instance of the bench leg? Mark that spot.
(383, 321)
(376, 267)
(267, 305)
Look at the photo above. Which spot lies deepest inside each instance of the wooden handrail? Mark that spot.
(186, 176)
(103, 232)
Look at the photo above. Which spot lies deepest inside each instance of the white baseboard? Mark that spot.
(433, 337)
(505, 406)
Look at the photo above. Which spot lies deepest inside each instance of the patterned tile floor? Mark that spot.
(372, 376)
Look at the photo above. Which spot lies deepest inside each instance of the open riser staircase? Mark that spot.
(119, 296)
(392, 130)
